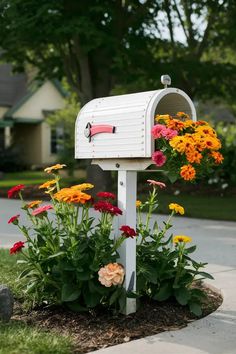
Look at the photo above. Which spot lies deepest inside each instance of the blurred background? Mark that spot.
(56, 55)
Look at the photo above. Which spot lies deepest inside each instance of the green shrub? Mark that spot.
(164, 266)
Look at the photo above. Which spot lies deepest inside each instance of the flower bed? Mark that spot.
(72, 259)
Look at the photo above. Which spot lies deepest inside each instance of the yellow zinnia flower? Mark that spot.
(177, 208)
(54, 168)
(48, 184)
(82, 186)
(182, 238)
(33, 204)
(163, 117)
(138, 203)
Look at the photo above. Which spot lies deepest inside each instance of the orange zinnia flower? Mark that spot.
(82, 186)
(182, 115)
(54, 168)
(217, 156)
(193, 156)
(175, 124)
(48, 184)
(69, 195)
(33, 204)
(187, 172)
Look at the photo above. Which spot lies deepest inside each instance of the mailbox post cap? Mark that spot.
(166, 80)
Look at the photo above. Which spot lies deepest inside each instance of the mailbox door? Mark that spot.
(113, 127)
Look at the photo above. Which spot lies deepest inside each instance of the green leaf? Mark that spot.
(70, 292)
(25, 272)
(83, 275)
(190, 249)
(91, 299)
(172, 176)
(164, 293)
(114, 297)
(182, 296)
(94, 287)
(205, 275)
(21, 261)
(56, 255)
(195, 308)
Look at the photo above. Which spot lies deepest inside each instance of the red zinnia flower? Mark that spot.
(127, 231)
(106, 195)
(15, 190)
(106, 207)
(13, 218)
(42, 209)
(17, 247)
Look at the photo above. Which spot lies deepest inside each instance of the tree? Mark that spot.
(83, 40)
(103, 46)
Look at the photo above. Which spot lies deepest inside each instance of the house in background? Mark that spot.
(23, 112)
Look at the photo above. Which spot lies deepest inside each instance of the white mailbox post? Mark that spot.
(115, 132)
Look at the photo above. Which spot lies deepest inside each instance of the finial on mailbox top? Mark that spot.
(166, 80)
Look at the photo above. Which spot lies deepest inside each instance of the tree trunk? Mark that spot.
(99, 74)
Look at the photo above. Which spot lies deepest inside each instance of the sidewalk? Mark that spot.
(215, 334)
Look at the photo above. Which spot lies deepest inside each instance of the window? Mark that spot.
(57, 138)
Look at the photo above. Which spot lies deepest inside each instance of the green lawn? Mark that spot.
(17, 336)
(204, 207)
(34, 177)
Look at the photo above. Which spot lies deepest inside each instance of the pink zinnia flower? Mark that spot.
(17, 247)
(169, 133)
(15, 190)
(158, 131)
(14, 219)
(42, 209)
(159, 158)
(156, 183)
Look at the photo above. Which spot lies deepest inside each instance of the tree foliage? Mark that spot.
(65, 119)
(100, 45)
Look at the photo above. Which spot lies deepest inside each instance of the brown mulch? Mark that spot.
(100, 329)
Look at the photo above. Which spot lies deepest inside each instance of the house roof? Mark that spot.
(14, 91)
(12, 86)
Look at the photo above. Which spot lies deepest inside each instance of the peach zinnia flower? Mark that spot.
(54, 168)
(156, 183)
(111, 274)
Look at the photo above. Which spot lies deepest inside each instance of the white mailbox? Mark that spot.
(120, 126)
